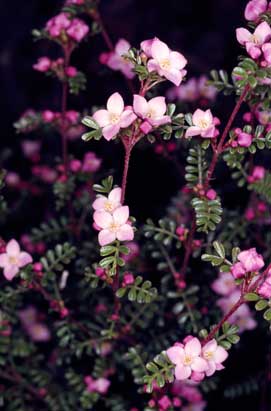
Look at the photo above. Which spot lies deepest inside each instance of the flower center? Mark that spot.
(203, 124)
(165, 64)
(150, 114)
(108, 206)
(187, 360)
(13, 260)
(114, 227)
(114, 118)
(255, 39)
(208, 355)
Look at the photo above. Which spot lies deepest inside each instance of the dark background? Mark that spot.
(204, 31)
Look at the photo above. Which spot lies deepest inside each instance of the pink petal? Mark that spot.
(220, 355)
(125, 233)
(146, 47)
(122, 47)
(102, 218)
(263, 32)
(211, 346)
(175, 354)
(211, 368)
(192, 131)
(177, 60)
(140, 105)
(3, 260)
(199, 364)
(175, 76)
(182, 372)
(99, 203)
(111, 131)
(13, 248)
(121, 215)
(243, 35)
(159, 50)
(193, 347)
(152, 65)
(127, 118)
(115, 104)
(10, 272)
(106, 237)
(253, 50)
(24, 259)
(198, 116)
(158, 106)
(160, 121)
(101, 117)
(115, 195)
(210, 132)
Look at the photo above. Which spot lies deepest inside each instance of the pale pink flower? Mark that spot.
(30, 148)
(100, 385)
(251, 260)
(91, 163)
(254, 42)
(188, 91)
(114, 226)
(224, 284)
(199, 406)
(115, 117)
(187, 359)
(206, 90)
(13, 259)
(77, 30)
(254, 8)
(203, 124)
(167, 63)
(215, 355)
(12, 179)
(110, 203)
(43, 64)
(153, 111)
(39, 332)
(116, 60)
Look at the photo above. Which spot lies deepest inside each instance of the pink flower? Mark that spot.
(206, 90)
(91, 163)
(114, 226)
(203, 125)
(265, 289)
(71, 71)
(13, 259)
(199, 406)
(30, 148)
(36, 330)
(185, 92)
(115, 117)
(57, 24)
(164, 403)
(224, 284)
(153, 111)
(254, 8)
(244, 139)
(166, 63)
(215, 355)
(48, 116)
(187, 359)
(253, 42)
(116, 60)
(43, 64)
(100, 385)
(251, 260)
(258, 173)
(110, 203)
(77, 30)
(238, 270)
(211, 194)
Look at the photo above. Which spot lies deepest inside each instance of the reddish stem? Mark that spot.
(128, 149)
(64, 99)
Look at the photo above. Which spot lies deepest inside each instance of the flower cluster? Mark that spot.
(248, 261)
(195, 89)
(13, 259)
(194, 361)
(116, 59)
(34, 327)
(111, 218)
(64, 28)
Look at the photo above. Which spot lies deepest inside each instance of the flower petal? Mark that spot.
(220, 355)
(263, 32)
(243, 35)
(99, 203)
(24, 259)
(121, 215)
(175, 76)
(106, 237)
(10, 272)
(192, 131)
(125, 233)
(3, 260)
(103, 219)
(115, 104)
(175, 354)
(193, 347)
(140, 106)
(13, 248)
(158, 106)
(111, 131)
(177, 60)
(182, 372)
(115, 195)
(102, 117)
(122, 47)
(199, 364)
(159, 50)
(127, 118)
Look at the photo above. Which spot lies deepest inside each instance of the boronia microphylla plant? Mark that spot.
(91, 300)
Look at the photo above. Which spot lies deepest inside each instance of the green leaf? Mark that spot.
(261, 305)
(267, 315)
(251, 297)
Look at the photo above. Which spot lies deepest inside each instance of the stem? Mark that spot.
(224, 319)
(63, 114)
(97, 17)
(210, 172)
(128, 149)
(220, 147)
(16, 378)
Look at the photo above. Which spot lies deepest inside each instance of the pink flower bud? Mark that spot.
(43, 64)
(244, 139)
(211, 194)
(71, 71)
(238, 270)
